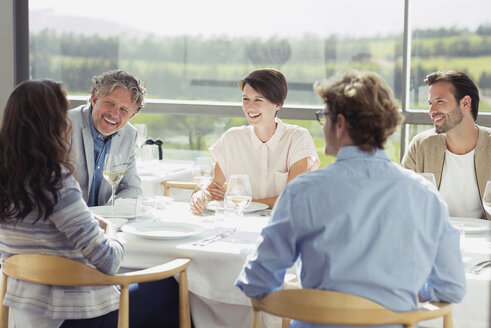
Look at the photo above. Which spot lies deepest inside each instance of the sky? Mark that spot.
(267, 17)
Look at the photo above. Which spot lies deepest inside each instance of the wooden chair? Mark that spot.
(60, 271)
(329, 307)
(178, 184)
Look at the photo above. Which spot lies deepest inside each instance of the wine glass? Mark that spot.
(238, 194)
(203, 173)
(113, 171)
(141, 136)
(486, 200)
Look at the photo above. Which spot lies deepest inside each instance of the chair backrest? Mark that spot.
(60, 271)
(335, 308)
(178, 184)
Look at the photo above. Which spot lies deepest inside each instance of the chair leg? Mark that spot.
(184, 315)
(256, 319)
(4, 310)
(285, 323)
(447, 320)
(124, 307)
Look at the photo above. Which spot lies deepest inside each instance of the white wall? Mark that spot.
(6, 51)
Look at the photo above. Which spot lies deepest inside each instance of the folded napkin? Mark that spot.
(125, 202)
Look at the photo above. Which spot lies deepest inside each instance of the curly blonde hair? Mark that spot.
(368, 105)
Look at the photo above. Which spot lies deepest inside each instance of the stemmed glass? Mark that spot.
(141, 136)
(113, 171)
(238, 194)
(203, 173)
(486, 200)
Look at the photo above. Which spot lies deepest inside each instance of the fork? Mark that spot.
(212, 239)
(479, 267)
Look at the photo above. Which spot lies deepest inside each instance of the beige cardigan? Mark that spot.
(426, 153)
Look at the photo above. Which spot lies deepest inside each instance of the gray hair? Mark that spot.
(105, 83)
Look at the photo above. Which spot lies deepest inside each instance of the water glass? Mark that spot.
(225, 218)
(150, 153)
(145, 206)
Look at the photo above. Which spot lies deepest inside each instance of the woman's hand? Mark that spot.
(216, 190)
(198, 202)
(106, 225)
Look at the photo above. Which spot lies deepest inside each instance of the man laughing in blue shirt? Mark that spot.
(363, 225)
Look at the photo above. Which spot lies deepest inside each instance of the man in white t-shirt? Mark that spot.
(457, 150)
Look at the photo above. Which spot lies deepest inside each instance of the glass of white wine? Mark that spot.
(113, 171)
(486, 200)
(238, 194)
(203, 172)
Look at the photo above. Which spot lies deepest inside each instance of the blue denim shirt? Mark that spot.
(363, 226)
(101, 148)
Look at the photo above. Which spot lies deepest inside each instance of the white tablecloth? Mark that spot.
(216, 302)
(153, 173)
(474, 310)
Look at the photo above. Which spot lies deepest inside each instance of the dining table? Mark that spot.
(215, 300)
(153, 172)
(474, 311)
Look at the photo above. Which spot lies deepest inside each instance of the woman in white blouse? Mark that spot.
(269, 151)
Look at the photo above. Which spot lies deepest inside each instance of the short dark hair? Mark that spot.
(105, 83)
(368, 105)
(462, 84)
(269, 82)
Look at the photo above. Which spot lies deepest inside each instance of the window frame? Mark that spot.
(232, 109)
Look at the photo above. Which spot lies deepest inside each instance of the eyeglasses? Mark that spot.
(321, 116)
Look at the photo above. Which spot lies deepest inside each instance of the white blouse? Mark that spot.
(239, 151)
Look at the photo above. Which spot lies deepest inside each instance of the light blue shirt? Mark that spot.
(101, 148)
(363, 226)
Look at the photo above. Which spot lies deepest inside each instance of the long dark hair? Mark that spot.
(35, 149)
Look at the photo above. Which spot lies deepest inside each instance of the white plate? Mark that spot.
(117, 222)
(118, 211)
(252, 207)
(162, 230)
(470, 225)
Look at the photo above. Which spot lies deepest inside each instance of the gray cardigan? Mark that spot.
(123, 142)
(70, 232)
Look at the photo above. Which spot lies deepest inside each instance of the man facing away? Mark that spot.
(100, 128)
(362, 225)
(457, 150)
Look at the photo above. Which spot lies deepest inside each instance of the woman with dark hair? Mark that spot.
(269, 151)
(42, 211)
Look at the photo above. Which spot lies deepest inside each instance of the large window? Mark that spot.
(191, 53)
(447, 35)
